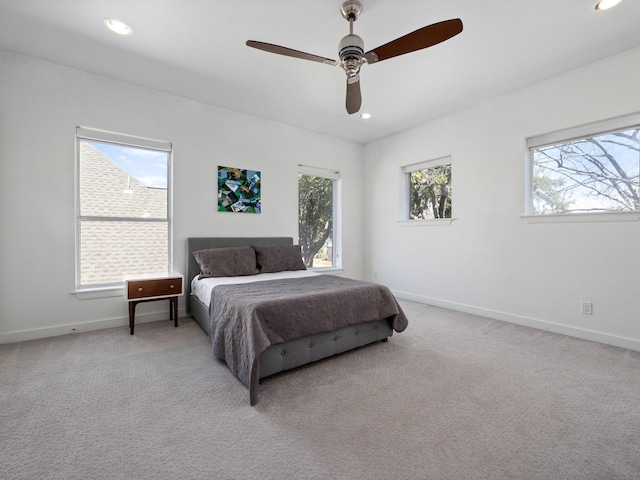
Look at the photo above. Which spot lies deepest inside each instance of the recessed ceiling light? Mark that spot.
(606, 4)
(118, 26)
(365, 116)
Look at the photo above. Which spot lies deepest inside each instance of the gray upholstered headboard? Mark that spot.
(202, 243)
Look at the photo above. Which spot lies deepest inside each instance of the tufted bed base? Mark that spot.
(284, 356)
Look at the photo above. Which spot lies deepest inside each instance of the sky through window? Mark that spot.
(148, 166)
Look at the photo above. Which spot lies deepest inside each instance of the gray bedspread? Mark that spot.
(247, 319)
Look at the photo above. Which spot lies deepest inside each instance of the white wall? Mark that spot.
(490, 261)
(40, 106)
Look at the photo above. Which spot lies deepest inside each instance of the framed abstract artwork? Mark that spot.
(238, 190)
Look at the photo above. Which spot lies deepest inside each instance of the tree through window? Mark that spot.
(318, 222)
(596, 173)
(428, 190)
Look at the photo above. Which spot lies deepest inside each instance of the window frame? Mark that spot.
(405, 192)
(580, 132)
(336, 178)
(100, 290)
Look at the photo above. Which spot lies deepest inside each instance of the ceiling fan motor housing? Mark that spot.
(351, 54)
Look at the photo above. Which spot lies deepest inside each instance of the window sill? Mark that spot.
(436, 222)
(101, 292)
(584, 217)
(326, 269)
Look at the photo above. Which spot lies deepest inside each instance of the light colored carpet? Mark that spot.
(456, 396)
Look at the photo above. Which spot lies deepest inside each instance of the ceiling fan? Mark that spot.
(351, 49)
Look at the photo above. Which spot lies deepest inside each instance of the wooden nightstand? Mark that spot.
(148, 288)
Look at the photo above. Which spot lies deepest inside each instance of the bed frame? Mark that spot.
(295, 353)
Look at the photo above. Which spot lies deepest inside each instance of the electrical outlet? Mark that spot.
(587, 308)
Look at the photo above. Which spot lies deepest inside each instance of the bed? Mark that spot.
(266, 320)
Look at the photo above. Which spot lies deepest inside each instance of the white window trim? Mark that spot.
(579, 132)
(122, 139)
(433, 222)
(93, 134)
(601, 127)
(98, 292)
(337, 212)
(595, 217)
(405, 191)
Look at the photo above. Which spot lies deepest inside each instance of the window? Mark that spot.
(592, 168)
(426, 192)
(123, 208)
(319, 217)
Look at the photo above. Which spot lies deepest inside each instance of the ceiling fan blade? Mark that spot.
(354, 97)
(421, 38)
(289, 52)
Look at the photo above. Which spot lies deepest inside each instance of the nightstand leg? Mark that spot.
(173, 302)
(132, 315)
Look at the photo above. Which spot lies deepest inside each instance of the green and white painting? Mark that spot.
(238, 190)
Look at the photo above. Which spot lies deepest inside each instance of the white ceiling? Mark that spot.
(196, 49)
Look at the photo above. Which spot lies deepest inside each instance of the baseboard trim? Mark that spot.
(584, 334)
(72, 328)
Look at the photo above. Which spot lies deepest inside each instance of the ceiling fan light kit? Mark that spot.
(351, 49)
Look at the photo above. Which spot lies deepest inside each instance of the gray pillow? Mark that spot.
(226, 262)
(279, 258)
